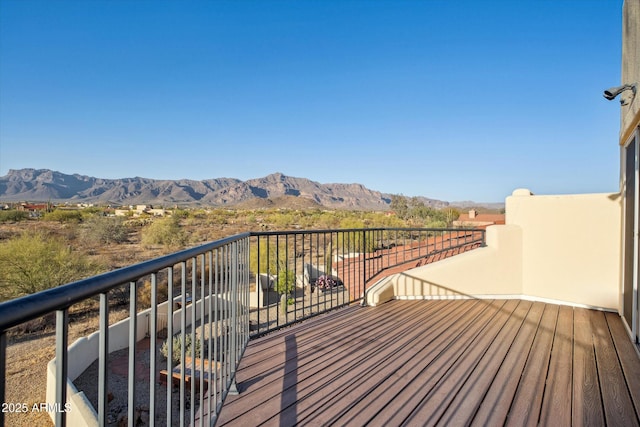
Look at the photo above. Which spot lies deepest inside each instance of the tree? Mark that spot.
(399, 206)
(62, 215)
(104, 230)
(13, 215)
(166, 232)
(34, 262)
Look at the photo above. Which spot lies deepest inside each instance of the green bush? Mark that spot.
(63, 215)
(166, 232)
(286, 281)
(34, 262)
(436, 224)
(176, 348)
(104, 230)
(359, 241)
(93, 210)
(13, 215)
(180, 213)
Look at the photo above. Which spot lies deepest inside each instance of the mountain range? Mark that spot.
(48, 185)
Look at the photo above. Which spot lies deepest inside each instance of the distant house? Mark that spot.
(40, 207)
(156, 212)
(478, 220)
(140, 210)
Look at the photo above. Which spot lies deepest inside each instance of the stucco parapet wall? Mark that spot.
(571, 246)
(579, 207)
(495, 269)
(564, 248)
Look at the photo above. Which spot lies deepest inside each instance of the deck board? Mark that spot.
(527, 401)
(628, 355)
(587, 401)
(382, 362)
(467, 401)
(387, 379)
(459, 362)
(450, 386)
(556, 404)
(494, 407)
(618, 408)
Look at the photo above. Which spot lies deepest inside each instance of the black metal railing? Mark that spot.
(303, 273)
(216, 297)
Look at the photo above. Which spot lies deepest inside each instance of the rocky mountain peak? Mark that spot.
(48, 185)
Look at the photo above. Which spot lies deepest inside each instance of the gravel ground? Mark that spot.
(118, 386)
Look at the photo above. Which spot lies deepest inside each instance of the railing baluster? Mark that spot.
(62, 338)
(201, 303)
(133, 326)
(170, 346)
(194, 280)
(223, 319)
(216, 342)
(103, 355)
(211, 360)
(153, 337)
(229, 319)
(183, 323)
(233, 389)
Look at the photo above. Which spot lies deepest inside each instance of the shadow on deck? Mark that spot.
(461, 362)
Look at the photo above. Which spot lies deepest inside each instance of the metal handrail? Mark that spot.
(29, 307)
(358, 255)
(377, 250)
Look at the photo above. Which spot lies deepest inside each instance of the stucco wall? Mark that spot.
(570, 246)
(558, 248)
(494, 269)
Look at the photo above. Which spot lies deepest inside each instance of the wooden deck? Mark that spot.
(462, 362)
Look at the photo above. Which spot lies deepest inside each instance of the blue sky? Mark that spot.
(463, 100)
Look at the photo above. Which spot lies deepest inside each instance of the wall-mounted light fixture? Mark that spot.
(611, 93)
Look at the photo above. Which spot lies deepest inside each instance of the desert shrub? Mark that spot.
(34, 262)
(13, 215)
(62, 215)
(180, 213)
(216, 218)
(357, 241)
(137, 222)
(436, 224)
(120, 295)
(105, 230)
(273, 255)
(391, 221)
(352, 223)
(176, 348)
(93, 210)
(102, 229)
(286, 281)
(166, 232)
(284, 220)
(144, 293)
